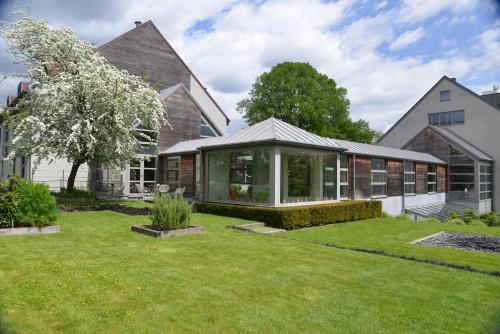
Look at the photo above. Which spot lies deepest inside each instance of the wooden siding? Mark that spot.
(430, 142)
(363, 177)
(184, 118)
(144, 52)
(442, 179)
(186, 176)
(421, 178)
(395, 176)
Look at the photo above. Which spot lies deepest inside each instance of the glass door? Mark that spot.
(142, 175)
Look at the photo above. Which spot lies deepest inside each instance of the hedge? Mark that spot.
(296, 217)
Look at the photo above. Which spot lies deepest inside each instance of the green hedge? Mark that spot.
(296, 217)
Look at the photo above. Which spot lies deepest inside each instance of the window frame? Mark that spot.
(486, 181)
(204, 123)
(446, 118)
(175, 169)
(346, 171)
(433, 183)
(410, 172)
(378, 183)
(443, 93)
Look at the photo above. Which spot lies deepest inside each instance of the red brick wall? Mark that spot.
(442, 179)
(186, 174)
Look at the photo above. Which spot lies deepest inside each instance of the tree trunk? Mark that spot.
(72, 175)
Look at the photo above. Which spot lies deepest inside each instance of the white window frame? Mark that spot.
(435, 179)
(205, 123)
(382, 172)
(441, 95)
(485, 182)
(412, 172)
(346, 170)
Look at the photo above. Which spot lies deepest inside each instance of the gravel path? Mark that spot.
(477, 242)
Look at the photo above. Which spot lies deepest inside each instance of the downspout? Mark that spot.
(403, 204)
(354, 177)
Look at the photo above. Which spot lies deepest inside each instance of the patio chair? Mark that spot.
(163, 188)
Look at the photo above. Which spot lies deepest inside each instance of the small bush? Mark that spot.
(432, 220)
(385, 215)
(476, 222)
(454, 215)
(37, 207)
(456, 221)
(296, 217)
(403, 216)
(470, 215)
(170, 212)
(76, 193)
(8, 200)
(489, 218)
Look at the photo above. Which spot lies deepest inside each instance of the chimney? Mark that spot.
(453, 79)
(137, 23)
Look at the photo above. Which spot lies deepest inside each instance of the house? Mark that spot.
(461, 128)
(192, 113)
(273, 163)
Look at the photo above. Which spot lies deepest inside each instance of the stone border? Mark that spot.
(248, 228)
(427, 237)
(146, 230)
(29, 230)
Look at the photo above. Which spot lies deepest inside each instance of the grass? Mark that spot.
(394, 236)
(132, 204)
(98, 276)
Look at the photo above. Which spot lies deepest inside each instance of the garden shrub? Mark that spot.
(432, 220)
(454, 215)
(295, 217)
(476, 222)
(402, 216)
(385, 215)
(456, 221)
(170, 212)
(76, 193)
(36, 206)
(8, 200)
(489, 218)
(470, 215)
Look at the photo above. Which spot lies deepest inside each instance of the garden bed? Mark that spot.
(108, 207)
(147, 230)
(483, 243)
(29, 230)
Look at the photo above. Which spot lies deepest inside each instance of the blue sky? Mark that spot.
(386, 53)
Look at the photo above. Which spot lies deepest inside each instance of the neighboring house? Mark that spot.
(192, 114)
(461, 128)
(273, 163)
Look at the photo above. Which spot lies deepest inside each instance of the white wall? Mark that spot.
(481, 125)
(394, 205)
(201, 96)
(55, 174)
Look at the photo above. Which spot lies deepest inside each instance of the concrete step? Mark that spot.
(439, 211)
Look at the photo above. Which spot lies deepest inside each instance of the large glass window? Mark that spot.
(379, 177)
(239, 176)
(431, 179)
(409, 178)
(447, 118)
(461, 171)
(308, 176)
(173, 168)
(205, 129)
(344, 178)
(485, 180)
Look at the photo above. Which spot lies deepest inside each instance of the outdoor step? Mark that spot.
(439, 211)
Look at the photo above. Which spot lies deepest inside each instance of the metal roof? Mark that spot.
(388, 152)
(276, 131)
(461, 143)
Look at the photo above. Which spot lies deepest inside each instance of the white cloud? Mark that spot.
(247, 39)
(407, 38)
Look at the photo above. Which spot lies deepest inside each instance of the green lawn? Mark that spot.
(98, 276)
(132, 204)
(394, 236)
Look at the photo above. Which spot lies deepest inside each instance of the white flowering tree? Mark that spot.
(81, 107)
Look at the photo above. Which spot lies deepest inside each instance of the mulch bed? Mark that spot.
(109, 207)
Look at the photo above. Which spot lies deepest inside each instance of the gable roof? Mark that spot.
(167, 92)
(456, 141)
(149, 22)
(276, 131)
(453, 81)
(492, 98)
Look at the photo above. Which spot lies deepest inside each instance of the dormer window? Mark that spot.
(444, 95)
